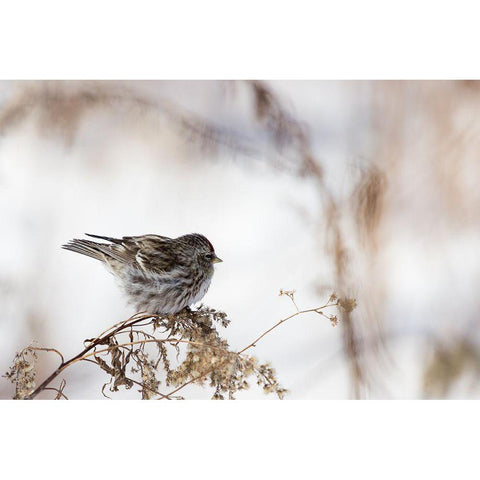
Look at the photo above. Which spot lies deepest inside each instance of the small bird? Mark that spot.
(160, 275)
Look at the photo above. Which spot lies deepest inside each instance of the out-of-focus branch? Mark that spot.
(61, 109)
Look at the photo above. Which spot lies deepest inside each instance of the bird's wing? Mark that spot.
(152, 253)
(147, 253)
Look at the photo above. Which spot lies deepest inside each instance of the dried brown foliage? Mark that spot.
(448, 364)
(426, 152)
(58, 107)
(368, 204)
(289, 136)
(187, 349)
(428, 131)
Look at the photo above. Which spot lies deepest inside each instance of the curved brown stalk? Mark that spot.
(98, 341)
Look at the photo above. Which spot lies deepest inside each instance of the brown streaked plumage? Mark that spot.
(160, 275)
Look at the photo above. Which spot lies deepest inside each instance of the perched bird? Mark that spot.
(159, 275)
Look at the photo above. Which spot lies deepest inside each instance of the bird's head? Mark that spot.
(204, 249)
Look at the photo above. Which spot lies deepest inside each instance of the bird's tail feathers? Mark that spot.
(85, 247)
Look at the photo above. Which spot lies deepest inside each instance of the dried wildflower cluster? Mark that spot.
(191, 335)
(345, 304)
(22, 372)
(208, 358)
(167, 352)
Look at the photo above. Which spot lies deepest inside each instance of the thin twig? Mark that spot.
(252, 344)
(48, 350)
(299, 312)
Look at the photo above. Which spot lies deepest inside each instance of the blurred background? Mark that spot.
(368, 189)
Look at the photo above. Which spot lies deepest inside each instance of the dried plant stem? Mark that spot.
(298, 312)
(177, 331)
(65, 364)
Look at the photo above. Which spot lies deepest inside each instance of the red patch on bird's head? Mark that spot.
(210, 245)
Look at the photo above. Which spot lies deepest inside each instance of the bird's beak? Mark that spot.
(216, 259)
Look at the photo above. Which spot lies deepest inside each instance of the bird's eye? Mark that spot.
(209, 256)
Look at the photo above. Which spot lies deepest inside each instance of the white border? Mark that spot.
(250, 439)
(345, 39)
